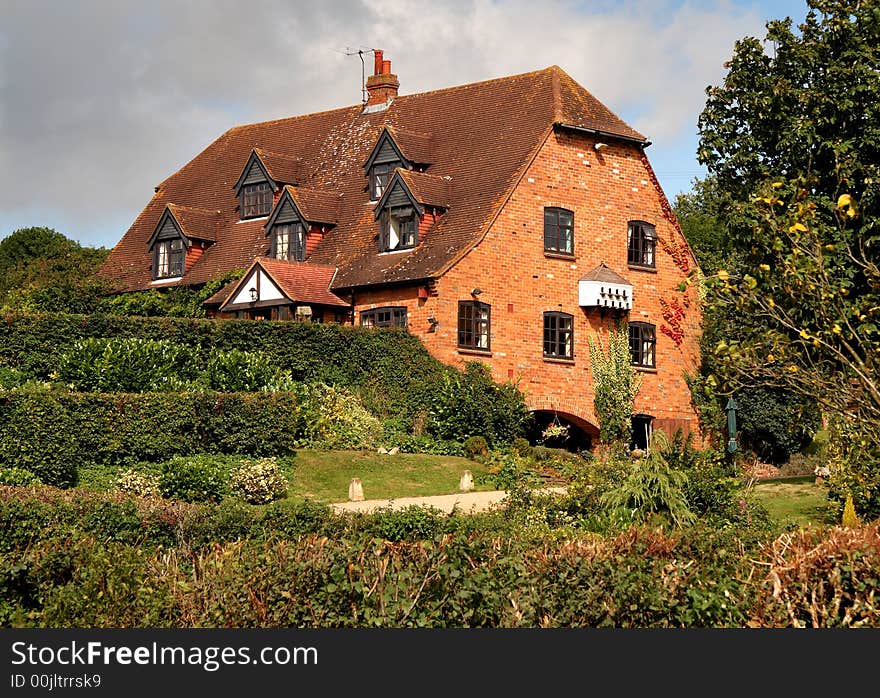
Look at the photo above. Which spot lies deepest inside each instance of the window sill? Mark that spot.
(558, 255)
(474, 352)
(404, 249)
(166, 280)
(646, 369)
(252, 218)
(559, 360)
(639, 267)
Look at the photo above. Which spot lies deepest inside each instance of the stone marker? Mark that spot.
(466, 484)
(355, 490)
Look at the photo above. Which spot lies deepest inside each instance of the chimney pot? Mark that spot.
(377, 61)
(386, 67)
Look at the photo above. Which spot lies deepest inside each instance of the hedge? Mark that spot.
(74, 560)
(391, 368)
(49, 433)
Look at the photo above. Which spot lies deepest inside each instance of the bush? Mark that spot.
(472, 404)
(259, 482)
(522, 448)
(195, 478)
(17, 477)
(475, 448)
(138, 484)
(240, 371)
(336, 419)
(49, 433)
(412, 523)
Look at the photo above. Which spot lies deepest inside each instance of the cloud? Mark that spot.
(99, 101)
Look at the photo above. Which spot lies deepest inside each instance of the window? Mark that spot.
(640, 244)
(642, 341)
(473, 324)
(256, 200)
(169, 260)
(399, 230)
(558, 335)
(379, 176)
(288, 242)
(558, 231)
(384, 317)
(641, 431)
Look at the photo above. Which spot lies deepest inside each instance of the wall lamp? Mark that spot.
(599, 146)
(254, 294)
(433, 322)
(476, 292)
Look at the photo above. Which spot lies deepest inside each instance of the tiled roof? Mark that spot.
(282, 168)
(416, 147)
(605, 274)
(316, 206)
(482, 135)
(302, 281)
(196, 223)
(428, 189)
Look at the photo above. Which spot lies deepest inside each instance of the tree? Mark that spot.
(42, 270)
(792, 139)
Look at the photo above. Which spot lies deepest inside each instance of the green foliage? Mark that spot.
(475, 448)
(522, 448)
(42, 271)
(412, 523)
(259, 482)
(17, 477)
(195, 478)
(172, 302)
(124, 364)
(651, 486)
(700, 214)
(240, 371)
(792, 144)
(336, 419)
(472, 404)
(775, 424)
(50, 433)
(615, 385)
(363, 361)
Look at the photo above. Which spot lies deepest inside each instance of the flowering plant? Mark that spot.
(554, 431)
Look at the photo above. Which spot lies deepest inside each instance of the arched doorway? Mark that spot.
(581, 434)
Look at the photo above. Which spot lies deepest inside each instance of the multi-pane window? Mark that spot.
(170, 259)
(390, 316)
(473, 324)
(379, 176)
(399, 230)
(288, 242)
(558, 231)
(642, 342)
(256, 200)
(641, 240)
(558, 335)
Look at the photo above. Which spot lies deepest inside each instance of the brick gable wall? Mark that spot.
(605, 190)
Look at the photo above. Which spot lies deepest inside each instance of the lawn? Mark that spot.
(798, 500)
(325, 475)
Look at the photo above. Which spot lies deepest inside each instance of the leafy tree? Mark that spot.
(42, 270)
(792, 139)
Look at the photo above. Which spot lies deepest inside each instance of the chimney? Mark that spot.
(382, 85)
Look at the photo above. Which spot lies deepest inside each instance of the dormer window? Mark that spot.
(399, 230)
(256, 200)
(288, 242)
(379, 176)
(169, 259)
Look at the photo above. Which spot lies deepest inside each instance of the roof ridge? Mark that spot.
(182, 207)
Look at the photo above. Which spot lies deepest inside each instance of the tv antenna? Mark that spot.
(360, 52)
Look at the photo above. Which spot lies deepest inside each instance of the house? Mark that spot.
(503, 221)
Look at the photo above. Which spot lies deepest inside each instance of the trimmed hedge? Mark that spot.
(50, 433)
(390, 367)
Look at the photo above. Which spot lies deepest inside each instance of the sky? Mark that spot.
(100, 100)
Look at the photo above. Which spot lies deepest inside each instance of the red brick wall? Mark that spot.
(605, 190)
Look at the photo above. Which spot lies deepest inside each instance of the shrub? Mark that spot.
(651, 487)
(124, 364)
(240, 371)
(616, 384)
(336, 418)
(194, 478)
(476, 448)
(259, 482)
(522, 448)
(472, 404)
(412, 523)
(17, 477)
(138, 484)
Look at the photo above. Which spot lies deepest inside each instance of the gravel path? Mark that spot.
(467, 502)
